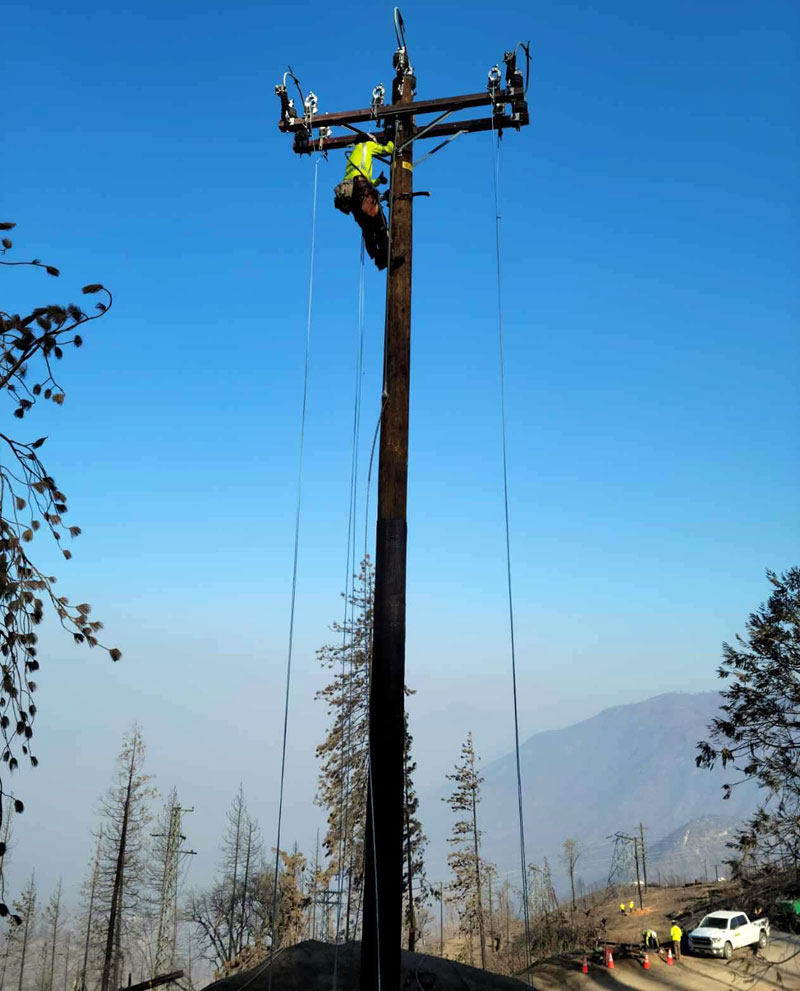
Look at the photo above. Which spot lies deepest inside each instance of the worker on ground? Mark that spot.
(357, 194)
(622, 907)
(630, 906)
(649, 939)
(675, 934)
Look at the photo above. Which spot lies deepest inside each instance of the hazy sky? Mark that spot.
(650, 247)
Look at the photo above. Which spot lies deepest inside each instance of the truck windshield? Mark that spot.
(714, 922)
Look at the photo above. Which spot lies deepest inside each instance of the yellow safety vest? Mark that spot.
(675, 934)
(359, 161)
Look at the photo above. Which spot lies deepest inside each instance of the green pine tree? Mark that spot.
(465, 860)
(415, 884)
(344, 768)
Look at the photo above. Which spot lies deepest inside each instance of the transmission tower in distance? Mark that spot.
(621, 870)
(167, 939)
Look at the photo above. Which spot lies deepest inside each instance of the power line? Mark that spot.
(501, 357)
(294, 572)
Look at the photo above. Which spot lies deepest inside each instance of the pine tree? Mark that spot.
(126, 815)
(227, 913)
(343, 778)
(292, 900)
(51, 920)
(10, 943)
(757, 734)
(465, 859)
(232, 847)
(67, 959)
(253, 863)
(91, 932)
(6, 819)
(569, 858)
(415, 885)
(317, 883)
(26, 908)
(344, 770)
(242, 856)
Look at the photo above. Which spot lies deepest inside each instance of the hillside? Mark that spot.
(629, 764)
(696, 849)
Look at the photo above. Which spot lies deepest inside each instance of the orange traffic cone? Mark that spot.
(610, 960)
(646, 961)
(669, 957)
(585, 966)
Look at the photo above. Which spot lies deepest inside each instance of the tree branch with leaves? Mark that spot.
(31, 501)
(758, 731)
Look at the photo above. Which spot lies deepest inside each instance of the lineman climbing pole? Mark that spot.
(400, 122)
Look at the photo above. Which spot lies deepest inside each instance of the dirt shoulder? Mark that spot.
(775, 969)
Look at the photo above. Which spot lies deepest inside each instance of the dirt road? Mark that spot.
(777, 968)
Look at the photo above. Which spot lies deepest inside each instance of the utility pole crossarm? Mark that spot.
(385, 113)
(497, 123)
(313, 131)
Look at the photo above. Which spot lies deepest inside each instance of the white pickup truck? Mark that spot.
(720, 933)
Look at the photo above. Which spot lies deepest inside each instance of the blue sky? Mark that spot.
(650, 251)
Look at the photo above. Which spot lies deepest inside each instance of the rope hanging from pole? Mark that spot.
(347, 741)
(500, 344)
(294, 575)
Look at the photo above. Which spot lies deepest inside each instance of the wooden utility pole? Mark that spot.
(398, 122)
(383, 876)
(644, 855)
(638, 878)
(441, 920)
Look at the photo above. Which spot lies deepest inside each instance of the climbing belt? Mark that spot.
(294, 573)
(496, 184)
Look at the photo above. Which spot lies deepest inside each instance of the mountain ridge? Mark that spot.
(627, 764)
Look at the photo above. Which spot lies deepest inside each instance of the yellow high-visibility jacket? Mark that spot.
(359, 161)
(675, 934)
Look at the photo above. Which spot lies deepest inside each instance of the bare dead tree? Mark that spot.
(27, 911)
(53, 916)
(569, 858)
(126, 814)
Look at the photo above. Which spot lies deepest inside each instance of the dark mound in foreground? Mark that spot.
(309, 966)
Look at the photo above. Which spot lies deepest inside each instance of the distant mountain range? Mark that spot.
(629, 764)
